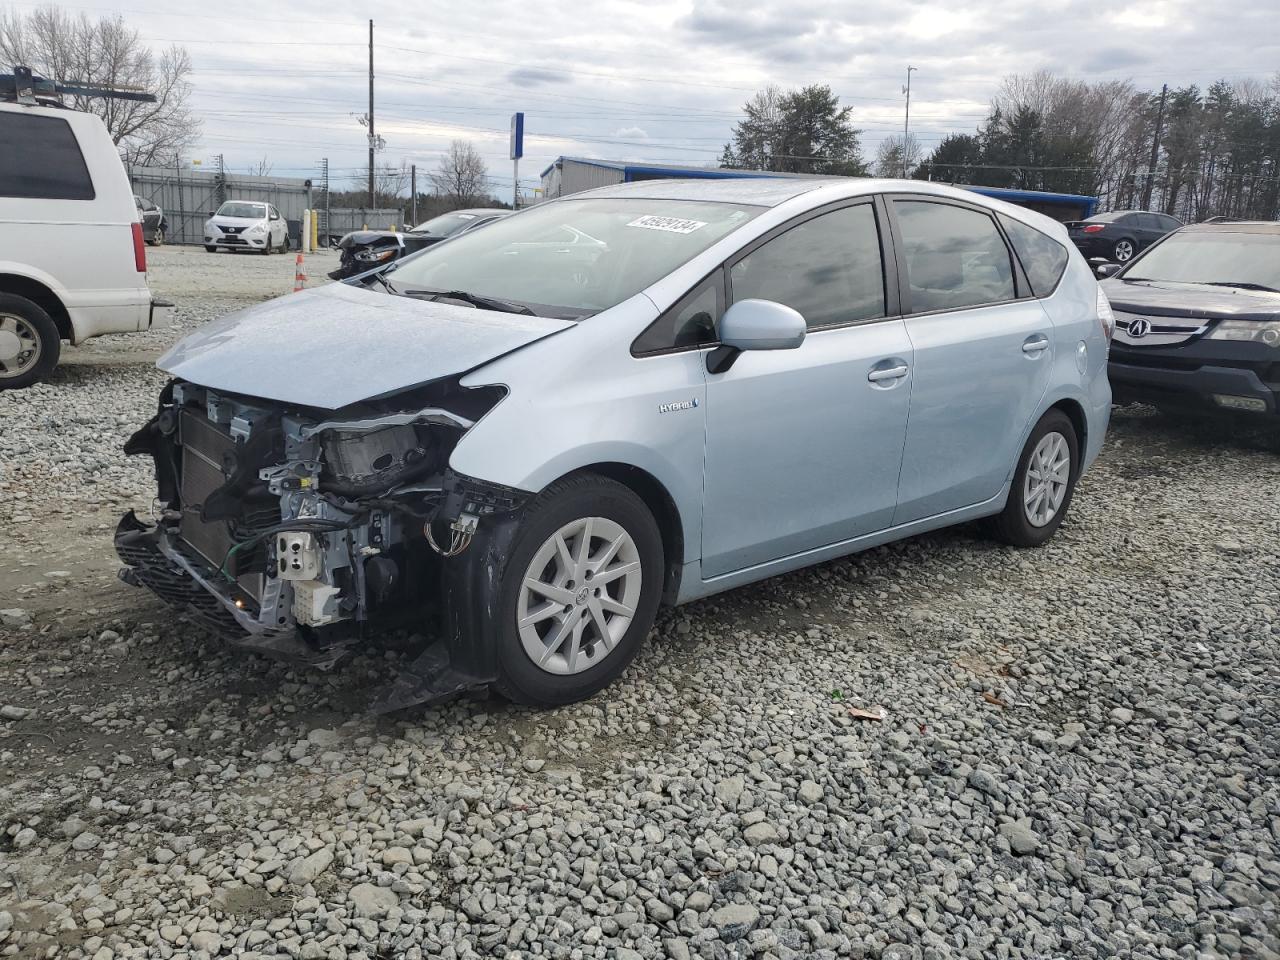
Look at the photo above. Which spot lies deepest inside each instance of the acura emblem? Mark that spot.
(1139, 328)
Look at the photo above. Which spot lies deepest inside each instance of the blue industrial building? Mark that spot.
(568, 175)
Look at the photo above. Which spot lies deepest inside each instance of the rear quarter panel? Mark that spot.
(1080, 353)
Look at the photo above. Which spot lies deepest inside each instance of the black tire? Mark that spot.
(46, 333)
(1013, 526)
(156, 237)
(1118, 249)
(284, 244)
(209, 249)
(573, 498)
(266, 248)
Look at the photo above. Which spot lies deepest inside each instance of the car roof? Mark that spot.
(757, 190)
(775, 191)
(1239, 226)
(479, 211)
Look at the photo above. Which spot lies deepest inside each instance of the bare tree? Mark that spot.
(889, 156)
(461, 174)
(389, 182)
(260, 168)
(61, 47)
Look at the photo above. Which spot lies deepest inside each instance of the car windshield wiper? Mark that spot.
(384, 281)
(484, 303)
(1241, 284)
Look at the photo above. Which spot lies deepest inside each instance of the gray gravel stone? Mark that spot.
(735, 921)
(1022, 839)
(368, 900)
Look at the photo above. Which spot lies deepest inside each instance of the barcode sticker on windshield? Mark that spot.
(669, 224)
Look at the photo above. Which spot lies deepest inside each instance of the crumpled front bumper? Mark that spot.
(461, 660)
(156, 558)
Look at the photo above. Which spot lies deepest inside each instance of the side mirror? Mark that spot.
(1104, 270)
(213, 213)
(755, 325)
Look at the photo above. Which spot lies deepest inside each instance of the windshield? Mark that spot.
(1222, 258)
(573, 257)
(232, 208)
(446, 225)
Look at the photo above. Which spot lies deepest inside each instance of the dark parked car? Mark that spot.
(154, 224)
(1120, 235)
(1198, 320)
(365, 249)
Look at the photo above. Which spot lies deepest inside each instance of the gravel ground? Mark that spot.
(1077, 757)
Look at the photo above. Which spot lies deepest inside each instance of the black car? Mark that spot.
(365, 249)
(154, 224)
(1120, 235)
(1198, 320)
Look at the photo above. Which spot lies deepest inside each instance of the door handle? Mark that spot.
(880, 374)
(1036, 344)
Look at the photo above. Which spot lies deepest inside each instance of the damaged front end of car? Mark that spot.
(297, 533)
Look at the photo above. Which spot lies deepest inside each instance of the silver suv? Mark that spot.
(533, 435)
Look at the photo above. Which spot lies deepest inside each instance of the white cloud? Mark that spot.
(669, 77)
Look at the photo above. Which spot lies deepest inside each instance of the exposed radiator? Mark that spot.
(205, 445)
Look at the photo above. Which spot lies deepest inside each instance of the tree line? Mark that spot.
(1218, 149)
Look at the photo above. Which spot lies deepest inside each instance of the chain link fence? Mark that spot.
(188, 197)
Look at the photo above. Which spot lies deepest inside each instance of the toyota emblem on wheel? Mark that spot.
(1139, 328)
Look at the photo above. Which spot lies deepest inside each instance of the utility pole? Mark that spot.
(413, 191)
(372, 135)
(1155, 151)
(906, 122)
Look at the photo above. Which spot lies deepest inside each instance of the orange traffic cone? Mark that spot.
(299, 278)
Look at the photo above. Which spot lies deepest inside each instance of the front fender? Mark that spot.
(585, 400)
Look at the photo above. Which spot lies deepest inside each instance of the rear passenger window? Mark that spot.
(690, 323)
(827, 268)
(955, 257)
(1043, 259)
(41, 159)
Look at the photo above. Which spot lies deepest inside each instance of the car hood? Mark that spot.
(1195, 300)
(332, 346)
(360, 238)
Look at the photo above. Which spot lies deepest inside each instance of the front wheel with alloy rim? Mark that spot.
(29, 342)
(579, 591)
(1042, 484)
(1124, 251)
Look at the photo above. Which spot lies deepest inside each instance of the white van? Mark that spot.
(73, 264)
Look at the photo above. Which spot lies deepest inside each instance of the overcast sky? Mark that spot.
(661, 81)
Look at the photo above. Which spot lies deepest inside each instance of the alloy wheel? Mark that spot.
(1124, 251)
(20, 347)
(1047, 479)
(579, 595)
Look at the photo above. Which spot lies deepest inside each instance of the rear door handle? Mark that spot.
(880, 374)
(1036, 344)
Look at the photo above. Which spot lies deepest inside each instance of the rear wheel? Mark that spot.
(157, 236)
(579, 593)
(1123, 251)
(29, 342)
(1043, 483)
(210, 249)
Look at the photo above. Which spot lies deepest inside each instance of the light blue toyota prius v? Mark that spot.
(521, 441)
